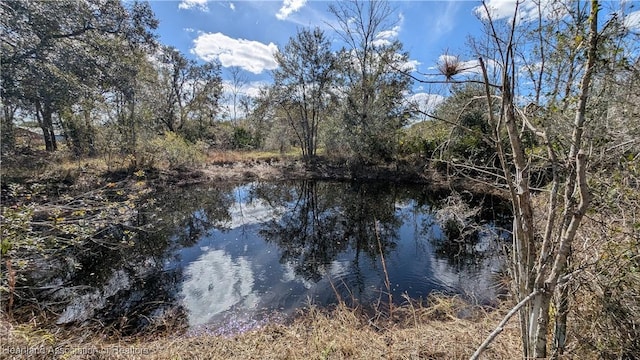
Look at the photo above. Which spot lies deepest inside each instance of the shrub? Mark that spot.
(242, 139)
(171, 150)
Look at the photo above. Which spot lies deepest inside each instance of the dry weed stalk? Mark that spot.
(387, 283)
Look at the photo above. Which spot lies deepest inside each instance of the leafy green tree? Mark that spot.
(54, 50)
(188, 92)
(374, 91)
(304, 85)
(129, 102)
(470, 139)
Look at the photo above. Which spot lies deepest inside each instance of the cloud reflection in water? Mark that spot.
(216, 283)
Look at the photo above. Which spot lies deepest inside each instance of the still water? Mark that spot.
(242, 252)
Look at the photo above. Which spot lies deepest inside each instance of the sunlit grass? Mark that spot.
(62, 162)
(230, 156)
(442, 328)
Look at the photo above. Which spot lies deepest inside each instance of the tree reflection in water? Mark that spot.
(325, 219)
(272, 245)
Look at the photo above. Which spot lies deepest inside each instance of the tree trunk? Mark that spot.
(7, 130)
(560, 331)
(90, 132)
(539, 324)
(525, 251)
(44, 116)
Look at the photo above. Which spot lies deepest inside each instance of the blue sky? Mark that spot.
(425, 27)
(246, 33)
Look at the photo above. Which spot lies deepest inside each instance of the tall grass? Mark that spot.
(440, 328)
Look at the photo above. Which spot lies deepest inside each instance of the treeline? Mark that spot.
(91, 74)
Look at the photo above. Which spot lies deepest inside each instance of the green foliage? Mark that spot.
(185, 93)
(66, 47)
(303, 86)
(422, 139)
(470, 138)
(373, 104)
(242, 139)
(415, 146)
(16, 224)
(373, 111)
(336, 140)
(467, 140)
(79, 132)
(171, 150)
(7, 132)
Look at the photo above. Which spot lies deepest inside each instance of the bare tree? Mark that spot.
(237, 83)
(540, 252)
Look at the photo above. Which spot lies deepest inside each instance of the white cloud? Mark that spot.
(315, 17)
(527, 69)
(411, 65)
(289, 7)
(250, 55)
(232, 6)
(632, 21)
(398, 63)
(385, 37)
(470, 67)
(256, 212)
(251, 90)
(426, 103)
(447, 19)
(427, 100)
(407, 66)
(190, 30)
(527, 9)
(197, 4)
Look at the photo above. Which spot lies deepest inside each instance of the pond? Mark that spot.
(225, 253)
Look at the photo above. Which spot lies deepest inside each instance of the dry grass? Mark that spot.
(52, 167)
(218, 157)
(445, 328)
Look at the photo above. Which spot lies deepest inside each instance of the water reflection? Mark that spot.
(327, 219)
(215, 283)
(322, 240)
(212, 253)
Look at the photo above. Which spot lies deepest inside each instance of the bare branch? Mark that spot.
(500, 327)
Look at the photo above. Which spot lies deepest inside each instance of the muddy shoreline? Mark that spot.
(256, 170)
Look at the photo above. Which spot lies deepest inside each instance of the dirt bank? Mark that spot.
(254, 170)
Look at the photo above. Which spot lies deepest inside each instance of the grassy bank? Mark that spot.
(444, 328)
